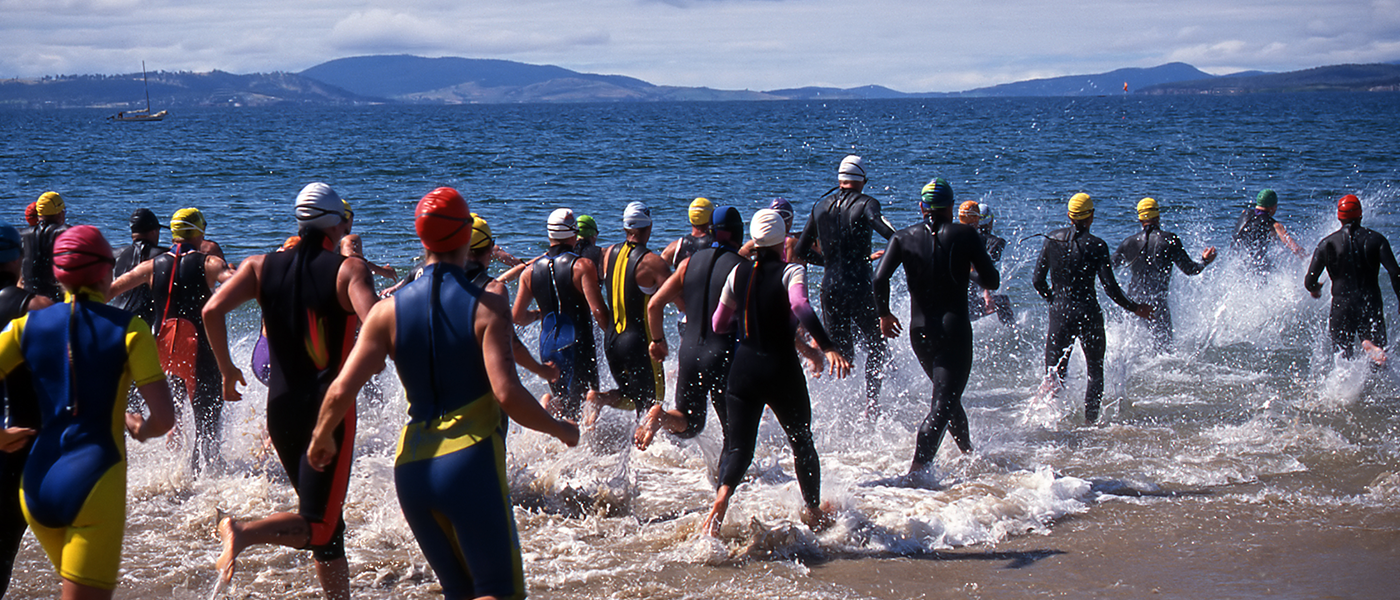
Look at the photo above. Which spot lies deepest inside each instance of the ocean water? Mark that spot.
(1248, 406)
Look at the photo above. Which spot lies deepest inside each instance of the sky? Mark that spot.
(907, 45)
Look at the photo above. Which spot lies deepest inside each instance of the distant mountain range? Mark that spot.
(406, 79)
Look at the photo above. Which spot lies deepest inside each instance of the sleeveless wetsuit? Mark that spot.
(842, 223)
(937, 270)
(1254, 233)
(136, 300)
(977, 303)
(1353, 256)
(770, 298)
(1072, 260)
(181, 292)
(1150, 255)
(571, 303)
(626, 340)
(84, 356)
(37, 266)
(690, 244)
(21, 410)
(309, 336)
(590, 251)
(450, 468)
(704, 356)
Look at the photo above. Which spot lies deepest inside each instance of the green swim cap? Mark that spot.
(587, 227)
(937, 194)
(1266, 199)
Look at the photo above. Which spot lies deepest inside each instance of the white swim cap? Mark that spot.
(852, 169)
(319, 207)
(562, 224)
(767, 228)
(637, 216)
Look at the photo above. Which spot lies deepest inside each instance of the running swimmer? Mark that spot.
(145, 245)
(312, 298)
(1150, 255)
(767, 298)
(982, 302)
(784, 208)
(940, 258)
(1072, 258)
(841, 224)
(84, 356)
(182, 280)
(481, 248)
(1256, 231)
(38, 246)
(565, 286)
(704, 356)
(351, 246)
(587, 246)
(450, 340)
(701, 234)
(1353, 256)
(631, 275)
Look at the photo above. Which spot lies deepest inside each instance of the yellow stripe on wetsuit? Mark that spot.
(459, 429)
(618, 289)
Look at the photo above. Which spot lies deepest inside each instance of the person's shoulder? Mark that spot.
(1060, 235)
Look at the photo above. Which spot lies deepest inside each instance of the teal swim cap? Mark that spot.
(1266, 199)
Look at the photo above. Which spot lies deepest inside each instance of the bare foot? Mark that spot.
(820, 518)
(228, 559)
(1374, 352)
(547, 401)
(646, 430)
(710, 526)
(1050, 386)
(591, 408)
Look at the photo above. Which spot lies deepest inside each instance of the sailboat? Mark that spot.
(140, 115)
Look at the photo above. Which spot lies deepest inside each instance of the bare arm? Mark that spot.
(355, 286)
(669, 292)
(521, 313)
(374, 344)
(586, 279)
(668, 254)
(653, 271)
(216, 271)
(132, 279)
(1287, 240)
(494, 330)
(162, 417)
(240, 288)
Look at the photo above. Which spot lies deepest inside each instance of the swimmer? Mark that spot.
(631, 275)
(31, 214)
(699, 238)
(145, 245)
(1072, 258)
(842, 223)
(816, 361)
(941, 258)
(982, 302)
(74, 485)
(1353, 256)
(587, 246)
(767, 298)
(1150, 255)
(352, 247)
(38, 246)
(181, 281)
(450, 340)
(1256, 231)
(704, 356)
(312, 299)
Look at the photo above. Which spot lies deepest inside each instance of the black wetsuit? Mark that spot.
(842, 224)
(976, 301)
(590, 251)
(704, 357)
(181, 291)
(137, 300)
(37, 265)
(766, 372)
(1073, 259)
(1353, 256)
(690, 244)
(1255, 235)
(626, 340)
(1150, 255)
(21, 410)
(570, 302)
(309, 335)
(937, 270)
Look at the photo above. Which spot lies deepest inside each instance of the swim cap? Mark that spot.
(349, 212)
(1147, 209)
(291, 242)
(587, 227)
(728, 221)
(987, 215)
(784, 208)
(937, 193)
(31, 214)
(82, 257)
(1266, 199)
(49, 204)
(481, 234)
(636, 216)
(143, 220)
(701, 210)
(852, 169)
(1348, 208)
(767, 228)
(1081, 207)
(11, 246)
(319, 207)
(562, 224)
(186, 223)
(442, 220)
(969, 211)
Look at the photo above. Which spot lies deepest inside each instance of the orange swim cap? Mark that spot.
(443, 220)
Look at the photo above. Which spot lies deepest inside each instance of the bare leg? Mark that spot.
(654, 420)
(335, 578)
(283, 529)
(73, 590)
(710, 526)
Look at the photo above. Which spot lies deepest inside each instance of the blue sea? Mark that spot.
(1247, 409)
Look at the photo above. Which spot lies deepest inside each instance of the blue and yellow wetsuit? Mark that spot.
(74, 486)
(451, 465)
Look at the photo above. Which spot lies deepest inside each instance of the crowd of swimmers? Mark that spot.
(87, 328)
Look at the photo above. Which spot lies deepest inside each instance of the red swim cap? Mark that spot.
(1348, 208)
(31, 214)
(443, 220)
(81, 256)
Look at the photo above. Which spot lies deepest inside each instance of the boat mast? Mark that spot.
(146, 85)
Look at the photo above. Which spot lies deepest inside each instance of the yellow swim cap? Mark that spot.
(187, 223)
(968, 211)
(1147, 209)
(1081, 207)
(700, 211)
(50, 204)
(481, 233)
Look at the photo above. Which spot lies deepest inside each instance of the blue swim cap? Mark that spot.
(728, 220)
(10, 243)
